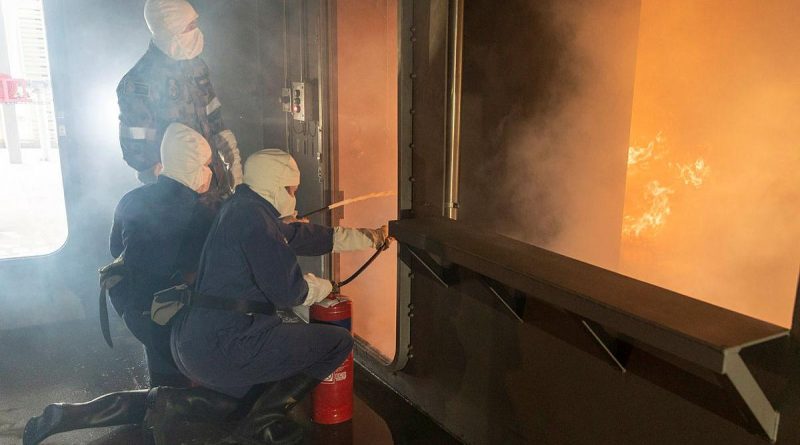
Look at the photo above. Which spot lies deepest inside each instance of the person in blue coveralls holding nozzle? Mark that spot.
(250, 257)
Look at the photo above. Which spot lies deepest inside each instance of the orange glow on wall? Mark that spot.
(366, 41)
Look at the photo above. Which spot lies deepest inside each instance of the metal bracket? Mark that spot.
(755, 403)
(616, 350)
(445, 275)
(519, 305)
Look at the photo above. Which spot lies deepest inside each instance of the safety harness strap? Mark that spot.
(230, 304)
(110, 276)
(104, 317)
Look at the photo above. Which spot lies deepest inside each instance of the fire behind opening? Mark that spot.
(712, 179)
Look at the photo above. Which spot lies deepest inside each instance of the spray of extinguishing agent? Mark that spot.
(333, 397)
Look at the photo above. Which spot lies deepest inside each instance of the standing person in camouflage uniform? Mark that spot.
(170, 83)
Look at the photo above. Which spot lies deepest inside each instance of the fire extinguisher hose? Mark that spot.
(337, 286)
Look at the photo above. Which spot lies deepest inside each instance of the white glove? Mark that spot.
(318, 289)
(225, 141)
(346, 239)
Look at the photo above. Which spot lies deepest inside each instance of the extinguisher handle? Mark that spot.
(336, 288)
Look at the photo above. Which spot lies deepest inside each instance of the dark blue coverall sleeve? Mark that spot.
(115, 240)
(308, 239)
(123, 295)
(274, 266)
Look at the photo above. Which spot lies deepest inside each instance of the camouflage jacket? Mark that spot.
(158, 91)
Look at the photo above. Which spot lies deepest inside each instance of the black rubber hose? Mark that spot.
(364, 267)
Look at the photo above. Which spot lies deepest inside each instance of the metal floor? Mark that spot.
(69, 362)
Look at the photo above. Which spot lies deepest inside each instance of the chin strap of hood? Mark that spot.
(185, 154)
(167, 20)
(268, 172)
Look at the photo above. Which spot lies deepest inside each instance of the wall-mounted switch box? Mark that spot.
(298, 101)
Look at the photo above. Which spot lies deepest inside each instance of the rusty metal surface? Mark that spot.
(693, 330)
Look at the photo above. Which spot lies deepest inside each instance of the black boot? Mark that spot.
(166, 406)
(267, 422)
(117, 408)
(284, 394)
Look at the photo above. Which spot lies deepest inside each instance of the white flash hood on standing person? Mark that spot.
(185, 154)
(167, 20)
(268, 172)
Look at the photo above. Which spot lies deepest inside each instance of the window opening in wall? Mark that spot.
(33, 217)
(655, 138)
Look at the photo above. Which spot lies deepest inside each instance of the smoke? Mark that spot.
(244, 49)
(549, 116)
(546, 122)
(87, 58)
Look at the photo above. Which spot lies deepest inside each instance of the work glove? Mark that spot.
(346, 239)
(318, 289)
(383, 236)
(226, 144)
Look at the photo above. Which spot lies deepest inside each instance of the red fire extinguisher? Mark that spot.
(333, 397)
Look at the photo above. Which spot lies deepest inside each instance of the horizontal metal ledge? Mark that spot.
(698, 332)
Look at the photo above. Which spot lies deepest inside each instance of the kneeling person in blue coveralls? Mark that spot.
(158, 232)
(251, 255)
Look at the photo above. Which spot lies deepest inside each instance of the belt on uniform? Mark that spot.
(168, 302)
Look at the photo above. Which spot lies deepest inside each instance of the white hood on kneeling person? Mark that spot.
(268, 172)
(185, 155)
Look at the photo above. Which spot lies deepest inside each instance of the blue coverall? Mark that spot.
(250, 254)
(161, 228)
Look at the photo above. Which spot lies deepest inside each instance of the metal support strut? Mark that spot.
(738, 376)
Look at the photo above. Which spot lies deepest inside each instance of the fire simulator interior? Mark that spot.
(594, 207)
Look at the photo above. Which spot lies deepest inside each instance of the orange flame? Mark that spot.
(640, 155)
(646, 216)
(656, 215)
(694, 174)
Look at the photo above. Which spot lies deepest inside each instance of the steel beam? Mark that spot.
(700, 333)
